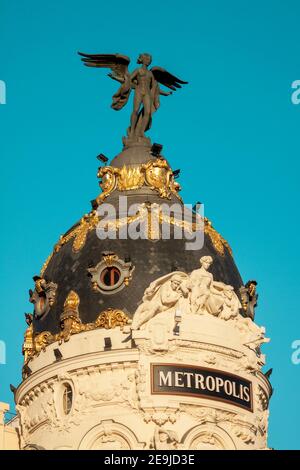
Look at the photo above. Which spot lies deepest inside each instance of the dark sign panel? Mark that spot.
(173, 379)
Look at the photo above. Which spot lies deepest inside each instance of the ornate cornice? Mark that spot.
(70, 325)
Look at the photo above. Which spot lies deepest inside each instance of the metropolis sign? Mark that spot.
(173, 379)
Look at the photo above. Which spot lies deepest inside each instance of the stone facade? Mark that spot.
(99, 394)
(9, 438)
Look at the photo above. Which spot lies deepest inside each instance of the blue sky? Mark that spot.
(233, 131)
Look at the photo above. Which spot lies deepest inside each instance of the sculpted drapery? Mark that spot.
(197, 293)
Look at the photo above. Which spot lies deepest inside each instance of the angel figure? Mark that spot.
(143, 81)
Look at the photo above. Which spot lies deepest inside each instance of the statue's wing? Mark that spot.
(166, 78)
(119, 66)
(118, 63)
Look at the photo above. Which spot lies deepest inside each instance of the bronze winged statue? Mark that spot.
(143, 81)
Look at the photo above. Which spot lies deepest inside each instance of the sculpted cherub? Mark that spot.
(143, 81)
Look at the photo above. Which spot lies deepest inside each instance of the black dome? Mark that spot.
(150, 259)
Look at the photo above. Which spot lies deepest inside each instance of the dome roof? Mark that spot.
(114, 273)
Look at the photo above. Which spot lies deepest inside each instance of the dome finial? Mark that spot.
(72, 301)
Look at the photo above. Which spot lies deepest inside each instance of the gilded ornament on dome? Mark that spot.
(111, 318)
(72, 301)
(90, 221)
(107, 183)
(130, 178)
(70, 324)
(41, 340)
(110, 258)
(156, 174)
(217, 240)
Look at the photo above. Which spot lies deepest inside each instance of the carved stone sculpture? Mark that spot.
(170, 291)
(207, 442)
(252, 335)
(210, 296)
(110, 441)
(43, 296)
(249, 298)
(196, 293)
(164, 439)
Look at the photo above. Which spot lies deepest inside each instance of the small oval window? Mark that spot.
(67, 398)
(110, 276)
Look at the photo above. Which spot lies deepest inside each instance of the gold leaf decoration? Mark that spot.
(156, 173)
(111, 318)
(130, 178)
(71, 325)
(72, 301)
(217, 240)
(28, 345)
(109, 258)
(90, 221)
